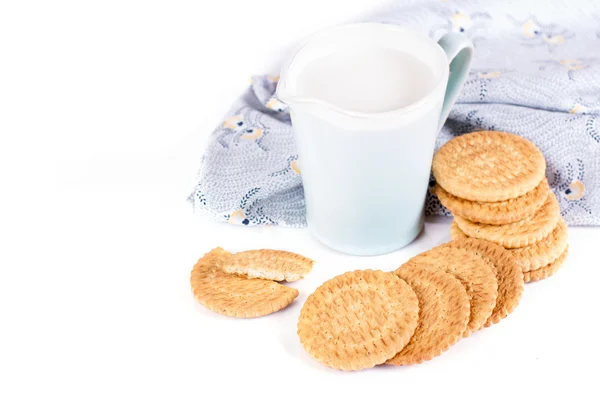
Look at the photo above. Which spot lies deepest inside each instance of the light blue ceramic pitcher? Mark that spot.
(365, 174)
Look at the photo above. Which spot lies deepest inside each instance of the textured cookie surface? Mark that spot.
(516, 235)
(234, 296)
(495, 213)
(476, 275)
(538, 255)
(488, 166)
(443, 315)
(508, 273)
(548, 270)
(455, 231)
(358, 319)
(269, 264)
(544, 252)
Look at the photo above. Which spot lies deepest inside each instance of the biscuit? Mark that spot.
(358, 319)
(518, 234)
(455, 232)
(488, 166)
(548, 270)
(495, 213)
(269, 264)
(508, 273)
(477, 275)
(544, 252)
(443, 315)
(538, 255)
(235, 296)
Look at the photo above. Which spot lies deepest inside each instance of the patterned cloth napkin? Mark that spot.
(536, 73)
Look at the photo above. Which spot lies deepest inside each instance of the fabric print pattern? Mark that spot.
(269, 82)
(279, 108)
(240, 130)
(581, 108)
(292, 167)
(481, 80)
(433, 206)
(295, 166)
(569, 188)
(243, 215)
(578, 109)
(534, 33)
(264, 91)
(252, 211)
(591, 127)
(237, 217)
(276, 105)
(263, 87)
(470, 123)
(571, 66)
(200, 197)
(472, 25)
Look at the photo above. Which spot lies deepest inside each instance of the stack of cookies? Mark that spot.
(361, 319)
(494, 184)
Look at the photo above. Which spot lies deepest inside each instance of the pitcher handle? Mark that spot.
(459, 50)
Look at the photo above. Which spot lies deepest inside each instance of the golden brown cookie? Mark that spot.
(234, 296)
(544, 252)
(358, 319)
(495, 213)
(516, 235)
(538, 255)
(269, 264)
(548, 270)
(488, 166)
(477, 275)
(508, 273)
(455, 231)
(443, 315)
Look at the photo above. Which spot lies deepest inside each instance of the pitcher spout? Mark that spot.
(289, 96)
(298, 103)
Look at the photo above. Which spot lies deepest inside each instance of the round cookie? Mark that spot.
(538, 255)
(544, 252)
(495, 213)
(516, 235)
(548, 270)
(488, 166)
(476, 275)
(508, 273)
(443, 315)
(455, 232)
(269, 264)
(358, 319)
(234, 296)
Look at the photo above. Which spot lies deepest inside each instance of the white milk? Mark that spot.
(367, 80)
(365, 167)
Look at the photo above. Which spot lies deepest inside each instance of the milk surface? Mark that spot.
(370, 80)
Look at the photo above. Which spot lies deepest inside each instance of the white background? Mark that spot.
(104, 109)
